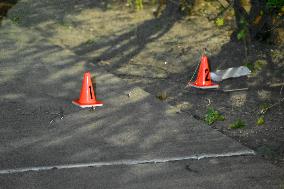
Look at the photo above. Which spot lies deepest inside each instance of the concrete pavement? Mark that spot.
(220, 173)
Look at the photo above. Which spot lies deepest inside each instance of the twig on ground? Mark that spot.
(271, 106)
(281, 90)
(276, 84)
(60, 114)
(233, 90)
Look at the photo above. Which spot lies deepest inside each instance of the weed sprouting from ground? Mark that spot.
(263, 108)
(212, 116)
(260, 120)
(256, 67)
(219, 22)
(138, 4)
(237, 124)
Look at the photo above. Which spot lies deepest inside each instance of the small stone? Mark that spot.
(264, 140)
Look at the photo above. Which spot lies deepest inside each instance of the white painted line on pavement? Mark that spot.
(127, 162)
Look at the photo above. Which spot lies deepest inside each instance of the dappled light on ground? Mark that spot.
(41, 72)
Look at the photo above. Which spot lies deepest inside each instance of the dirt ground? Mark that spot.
(161, 54)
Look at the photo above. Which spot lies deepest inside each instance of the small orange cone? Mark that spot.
(203, 80)
(87, 96)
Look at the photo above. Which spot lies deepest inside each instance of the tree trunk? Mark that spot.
(258, 18)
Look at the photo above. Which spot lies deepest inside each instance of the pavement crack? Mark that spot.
(128, 162)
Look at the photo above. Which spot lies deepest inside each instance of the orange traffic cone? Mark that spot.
(203, 80)
(87, 96)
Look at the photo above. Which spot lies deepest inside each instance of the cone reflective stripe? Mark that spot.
(203, 80)
(87, 95)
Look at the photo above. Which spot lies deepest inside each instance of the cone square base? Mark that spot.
(89, 105)
(211, 86)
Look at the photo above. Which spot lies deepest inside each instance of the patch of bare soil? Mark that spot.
(166, 77)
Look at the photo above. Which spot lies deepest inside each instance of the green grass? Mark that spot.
(212, 116)
(237, 124)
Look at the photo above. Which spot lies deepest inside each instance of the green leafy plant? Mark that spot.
(259, 64)
(250, 66)
(138, 4)
(237, 124)
(212, 116)
(263, 108)
(278, 4)
(219, 21)
(243, 29)
(242, 34)
(256, 67)
(260, 121)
